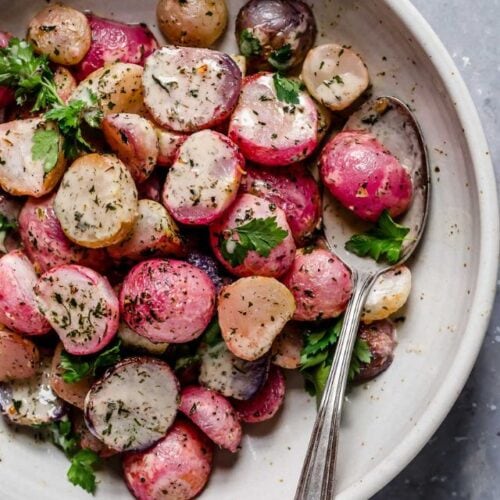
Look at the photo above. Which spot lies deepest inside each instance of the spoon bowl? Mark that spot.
(393, 124)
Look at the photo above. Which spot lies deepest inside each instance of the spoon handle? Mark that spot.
(317, 480)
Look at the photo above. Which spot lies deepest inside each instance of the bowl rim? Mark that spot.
(483, 300)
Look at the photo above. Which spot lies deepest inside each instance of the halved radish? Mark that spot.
(73, 393)
(270, 131)
(287, 347)
(224, 237)
(167, 300)
(19, 357)
(188, 89)
(252, 313)
(204, 179)
(96, 202)
(335, 75)
(86, 439)
(213, 414)
(176, 468)
(133, 405)
(18, 307)
(155, 233)
(168, 144)
(31, 401)
(81, 306)
(233, 377)
(266, 403)
(138, 343)
(134, 140)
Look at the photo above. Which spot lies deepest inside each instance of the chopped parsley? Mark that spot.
(383, 242)
(259, 235)
(45, 148)
(287, 90)
(249, 44)
(6, 225)
(281, 58)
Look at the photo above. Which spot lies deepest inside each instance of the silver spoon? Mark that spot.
(394, 125)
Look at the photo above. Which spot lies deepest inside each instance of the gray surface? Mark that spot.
(463, 458)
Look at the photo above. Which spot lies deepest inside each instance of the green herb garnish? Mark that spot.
(383, 242)
(287, 90)
(45, 148)
(249, 44)
(76, 368)
(259, 235)
(280, 59)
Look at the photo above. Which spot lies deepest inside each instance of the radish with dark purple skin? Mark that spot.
(204, 179)
(81, 307)
(320, 283)
(213, 414)
(177, 467)
(113, 41)
(275, 33)
(206, 262)
(135, 142)
(294, 190)
(31, 402)
(273, 125)
(18, 307)
(382, 341)
(267, 402)
(233, 377)
(45, 242)
(188, 89)
(364, 177)
(133, 405)
(167, 300)
(233, 238)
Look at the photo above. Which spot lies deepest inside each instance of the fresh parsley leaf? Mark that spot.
(259, 235)
(361, 355)
(76, 368)
(62, 437)
(287, 90)
(81, 472)
(280, 59)
(383, 242)
(317, 345)
(249, 44)
(45, 148)
(212, 335)
(6, 225)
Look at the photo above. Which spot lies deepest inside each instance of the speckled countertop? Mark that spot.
(462, 460)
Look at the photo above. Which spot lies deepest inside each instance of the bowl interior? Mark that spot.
(380, 415)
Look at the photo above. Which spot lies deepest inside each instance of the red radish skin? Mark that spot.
(19, 357)
(364, 177)
(213, 414)
(294, 190)
(177, 467)
(267, 402)
(7, 95)
(18, 307)
(81, 307)
(204, 179)
(113, 41)
(167, 300)
(269, 131)
(45, 242)
(248, 207)
(320, 283)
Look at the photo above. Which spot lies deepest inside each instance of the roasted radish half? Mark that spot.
(137, 343)
(177, 467)
(21, 171)
(133, 405)
(18, 307)
(31, 402)
(213, 414)
(288, 345)
(233, 377)
(204, 179)
(80, 305)
(168, 144)
(320, 283)
(248, 215)
(252, 313)
(188, 89)
(335, 75)
(167, 300)
(96, 202)
(269, 129)
(155, 233)
(364, 177)
(19, 357)
(134, 141)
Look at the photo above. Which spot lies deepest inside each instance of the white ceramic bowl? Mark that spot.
(387, 421)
